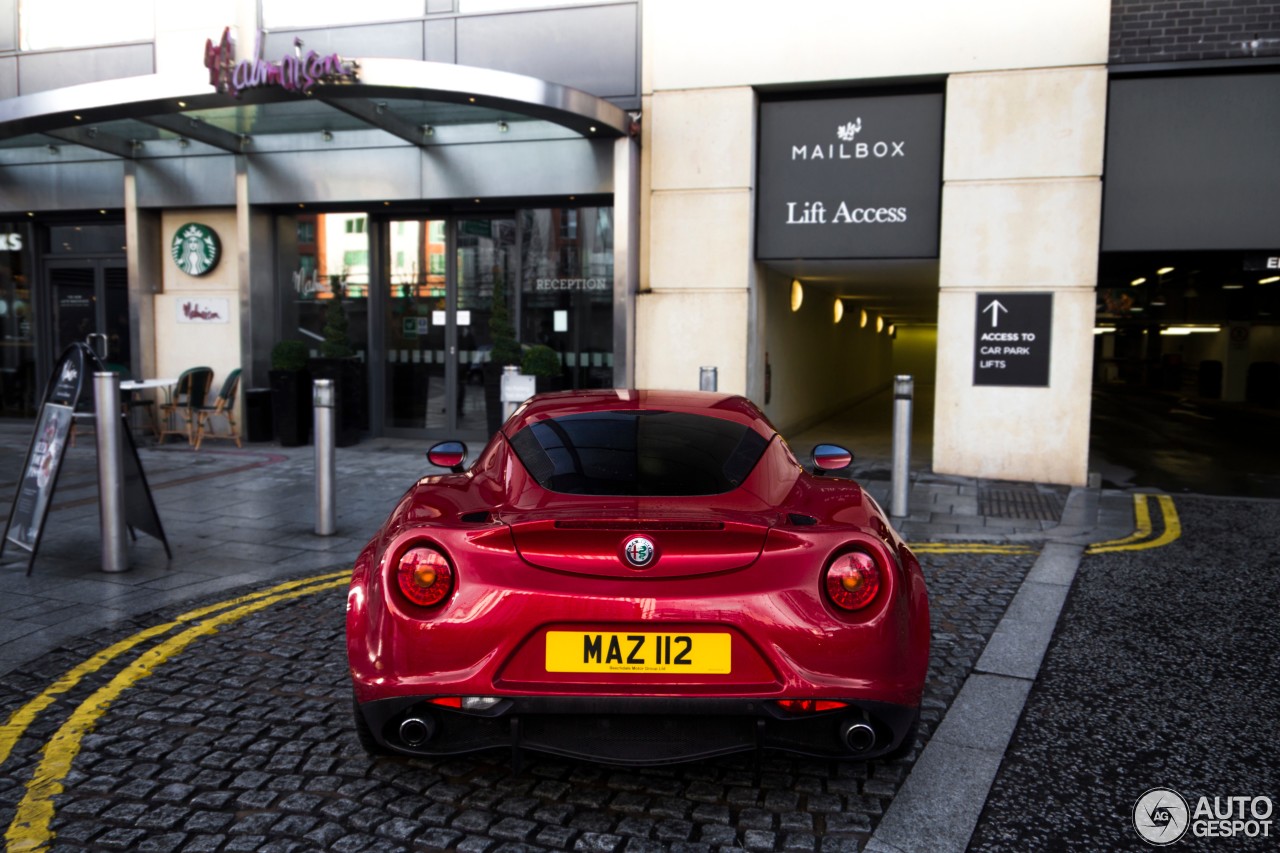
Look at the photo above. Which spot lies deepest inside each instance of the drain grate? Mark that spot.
(1016, 502)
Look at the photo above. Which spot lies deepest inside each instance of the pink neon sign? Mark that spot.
(294, 73)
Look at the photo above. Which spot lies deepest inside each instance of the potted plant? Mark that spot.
(337, 361)
(543, 362)
(290, 393)
(506, 350)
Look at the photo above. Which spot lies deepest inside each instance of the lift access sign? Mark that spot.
(1011, 343)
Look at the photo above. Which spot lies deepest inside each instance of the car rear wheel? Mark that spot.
(364, 734)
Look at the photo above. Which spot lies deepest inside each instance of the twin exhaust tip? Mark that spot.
(858, 736)
(416, 731)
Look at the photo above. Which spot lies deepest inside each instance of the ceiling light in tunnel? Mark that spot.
(1137, 281)
(879, 324)
(838, 310)
(797, 294)
(893, 330)
(1272, 280)
(862, 323)
(1164, 270)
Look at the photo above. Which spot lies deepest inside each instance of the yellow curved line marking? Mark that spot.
(1172, 528)
(16, 726)
(1141, 530)
(30, 827)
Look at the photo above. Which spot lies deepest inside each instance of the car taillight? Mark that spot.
(425, 576)
(853, 579)
(810, 706)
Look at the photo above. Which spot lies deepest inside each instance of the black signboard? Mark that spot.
(1268, 263)
(39, 474)
(852, 177)
(67, 392)
(1012, 339)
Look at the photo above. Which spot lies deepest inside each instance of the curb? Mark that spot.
(939, 803)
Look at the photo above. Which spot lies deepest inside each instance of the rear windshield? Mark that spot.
(639, 453)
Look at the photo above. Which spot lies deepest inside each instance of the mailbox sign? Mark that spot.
(856, 177)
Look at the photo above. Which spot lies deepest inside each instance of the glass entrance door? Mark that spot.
(91, 296)
(444, 275)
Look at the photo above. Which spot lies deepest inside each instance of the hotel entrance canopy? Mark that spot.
(423, 103)
(383, 129)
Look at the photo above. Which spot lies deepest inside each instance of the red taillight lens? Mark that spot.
(853, 580)
(810, 706)
(425, 576)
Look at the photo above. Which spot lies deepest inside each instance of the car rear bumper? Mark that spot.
(638, 731)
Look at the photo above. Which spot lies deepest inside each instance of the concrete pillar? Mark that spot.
(1022, 203)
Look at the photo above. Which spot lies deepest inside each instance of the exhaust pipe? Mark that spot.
(416, 731)
(858, 736)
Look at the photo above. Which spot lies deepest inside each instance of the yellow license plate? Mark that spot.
(585, 651)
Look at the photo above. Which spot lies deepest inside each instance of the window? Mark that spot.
(639, 453)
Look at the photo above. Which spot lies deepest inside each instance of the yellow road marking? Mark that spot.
(22, 718)
(1142, 526)
(969, 548)
(30, 828)
(1142, 516)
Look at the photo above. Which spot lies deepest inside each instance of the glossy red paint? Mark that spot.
(750, 564)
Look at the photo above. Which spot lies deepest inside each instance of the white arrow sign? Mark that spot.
(995, 308)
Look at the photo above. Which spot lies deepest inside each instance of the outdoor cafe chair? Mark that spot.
(178, 414)
(223, 407)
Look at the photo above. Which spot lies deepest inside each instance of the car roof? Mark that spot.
(731, 407)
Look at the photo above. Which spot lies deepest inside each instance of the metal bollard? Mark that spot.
(707, 378)
(107, 420)
(508, 406)
(902, 395)
(322, 401)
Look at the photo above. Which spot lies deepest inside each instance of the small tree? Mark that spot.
(506, 350)
(542, 361)
(336, 343)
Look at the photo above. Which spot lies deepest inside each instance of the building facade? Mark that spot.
(1012, 202)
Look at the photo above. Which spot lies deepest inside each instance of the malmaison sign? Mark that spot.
(856, 177)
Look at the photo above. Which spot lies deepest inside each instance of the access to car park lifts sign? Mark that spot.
(855, 177)
(1012, 338)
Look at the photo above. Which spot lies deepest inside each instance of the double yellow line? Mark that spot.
(30, 829)
(1138, 540)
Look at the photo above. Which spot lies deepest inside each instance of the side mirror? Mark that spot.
(831, 457)
(448, 454)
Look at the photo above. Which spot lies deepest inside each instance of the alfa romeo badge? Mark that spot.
(639, 551)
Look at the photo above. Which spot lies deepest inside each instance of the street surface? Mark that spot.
(1163, 673)
(240, 738)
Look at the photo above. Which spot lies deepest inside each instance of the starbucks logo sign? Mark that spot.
(195, 249)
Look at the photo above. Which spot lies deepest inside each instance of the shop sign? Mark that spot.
(1257, 262)
(850, 177)
(195, 249)
(295, 73)
(10, 242)
(550, 284)
(216, 310)
(1011, 341)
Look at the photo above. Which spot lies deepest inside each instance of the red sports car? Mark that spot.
(637, 577)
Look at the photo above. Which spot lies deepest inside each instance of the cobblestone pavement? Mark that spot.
(244, 741)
